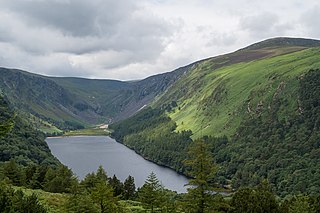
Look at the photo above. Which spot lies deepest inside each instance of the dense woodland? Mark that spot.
(282, 149)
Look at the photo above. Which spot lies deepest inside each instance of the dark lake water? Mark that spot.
(84, 154)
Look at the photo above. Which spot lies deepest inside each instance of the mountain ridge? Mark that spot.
(82, 102)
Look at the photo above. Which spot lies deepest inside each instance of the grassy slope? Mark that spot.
(55, 202)
(218, 99)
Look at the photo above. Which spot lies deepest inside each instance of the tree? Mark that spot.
(101, 174)
(102, 194)
(14, 172)
(23, 203)
(59, 180)
(202, 169)
(129, 188)
(6, 194)
(116, 185)
(258, 199)
(151, 193)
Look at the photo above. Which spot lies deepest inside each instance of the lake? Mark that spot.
(84, 154)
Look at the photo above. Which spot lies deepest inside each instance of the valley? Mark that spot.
(255, 112)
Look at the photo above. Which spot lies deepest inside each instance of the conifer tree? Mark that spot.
(129, 188)
(101, 174)
(116, 185)
(102, 195)
(151, 193)
(202, 169)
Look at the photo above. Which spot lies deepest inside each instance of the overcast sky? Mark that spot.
(133, 39)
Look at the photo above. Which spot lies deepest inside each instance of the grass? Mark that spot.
(208, 109)
(53, 202)
(93, 131)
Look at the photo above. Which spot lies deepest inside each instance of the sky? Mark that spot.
(134, 39)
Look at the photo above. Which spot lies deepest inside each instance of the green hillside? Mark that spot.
(257, 108)
(217, 100)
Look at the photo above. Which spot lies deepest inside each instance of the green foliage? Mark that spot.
(129, 188)
(14, 173)
(283, 150)
(116, 185)
(17, 201)
(259, 199)
(80, 203)
(6, 117)
(102, 194)
(23, 143)
(60, 179)
(151, 193)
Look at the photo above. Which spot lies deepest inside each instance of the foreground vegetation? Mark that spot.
(55, 189)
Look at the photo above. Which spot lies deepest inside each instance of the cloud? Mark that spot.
(262, 24)
(129, 39)
(310, 19)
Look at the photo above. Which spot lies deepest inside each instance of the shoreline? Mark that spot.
(222, 191)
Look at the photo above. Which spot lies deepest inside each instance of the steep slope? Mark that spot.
(21, 141)
(213, 101)
(249, 105)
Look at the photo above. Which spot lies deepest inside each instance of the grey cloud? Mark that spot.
(129, 39)
(310, 20)
(71, 17)
(261, 24)
(117, 33)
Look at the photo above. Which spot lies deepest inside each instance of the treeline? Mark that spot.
(284, 149)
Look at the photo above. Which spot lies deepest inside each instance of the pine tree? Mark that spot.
(202, 169)
(151, 193)
(116, 185)
(102, 194)
(101, 174)
(129, 188)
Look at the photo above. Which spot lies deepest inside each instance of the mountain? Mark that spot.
(53, 104)
(257, 107)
